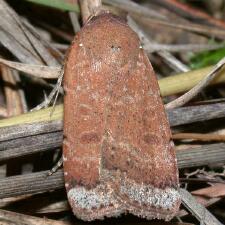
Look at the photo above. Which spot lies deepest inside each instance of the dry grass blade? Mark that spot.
(57, 54)
(198, 88)
(75, 21)
(168, 58)
(18, 219)
(48, 72)
(190, 27)
(20, 41)
(203, 201)
(40, 49)
(10, 25)
(187, 11)
(199, 211)
(135, 8)
(155, 47)
(20, 52)
(89, 8)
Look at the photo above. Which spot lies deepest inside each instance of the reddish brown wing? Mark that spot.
(137, 150)
(86, 85)
(117, 148)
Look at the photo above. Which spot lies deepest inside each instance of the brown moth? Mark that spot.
(117, 151)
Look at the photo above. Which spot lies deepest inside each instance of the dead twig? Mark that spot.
(75, 21)
(30, 145)
(89, 8)
(39, 181)
(32, 183)
(47, 72)
(18, 219)
(167, 57)
(191, 114)
(203, 201)
(190, 27)
(199, 211)
(200, 156)
(198, 88)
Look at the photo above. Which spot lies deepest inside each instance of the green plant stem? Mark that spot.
(35, 116)
(58, 4)
(183, 82)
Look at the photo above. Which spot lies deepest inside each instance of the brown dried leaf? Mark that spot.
(217, 190)
(14, 101)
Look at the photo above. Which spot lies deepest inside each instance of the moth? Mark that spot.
(118, 154)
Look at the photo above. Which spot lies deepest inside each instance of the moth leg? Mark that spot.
(56, 167)
(53, 94)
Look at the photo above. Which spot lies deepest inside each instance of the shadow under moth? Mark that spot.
(118, 154)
